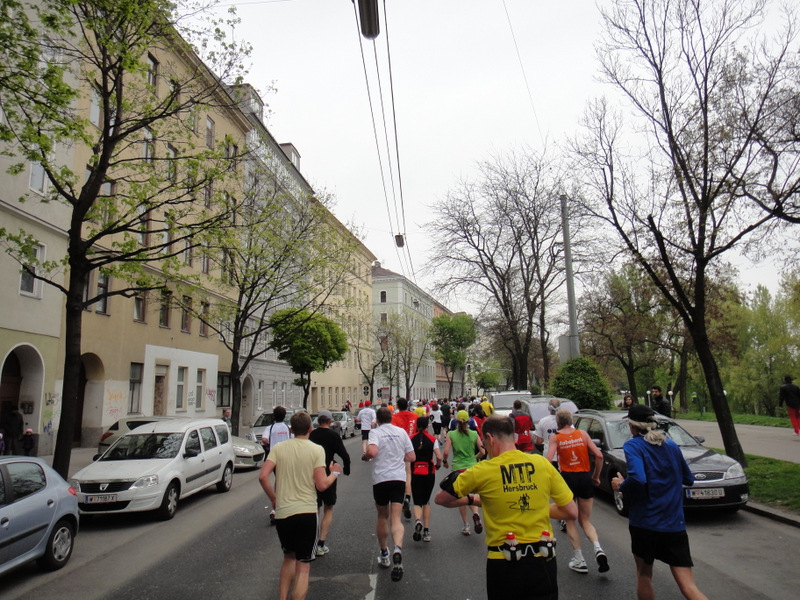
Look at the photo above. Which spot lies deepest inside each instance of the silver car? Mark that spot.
(38, 514)
(249, 455)
(346, 422)
(265, 420)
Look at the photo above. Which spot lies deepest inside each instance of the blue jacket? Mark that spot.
(655, 480)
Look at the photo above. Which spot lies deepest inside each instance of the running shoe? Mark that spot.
(417, 531)
(478, 525)
(407, 507)
(602, 561)
(465, 530)
(579, 566)
(397, 568)
(563, 525)
(322, 550)
(426, 536)
(383, 559)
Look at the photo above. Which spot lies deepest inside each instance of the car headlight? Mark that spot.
(734, 472)
(146, 481)
(241, 449)
(75, 483)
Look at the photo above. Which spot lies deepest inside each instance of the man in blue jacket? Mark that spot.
(657, 473)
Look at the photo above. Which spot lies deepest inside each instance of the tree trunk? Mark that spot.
(72, 371)
(236, 392)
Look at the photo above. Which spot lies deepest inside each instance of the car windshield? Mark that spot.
(619, 432)
(504, 402)
(264, 420)
(144, 446)
(339, 417)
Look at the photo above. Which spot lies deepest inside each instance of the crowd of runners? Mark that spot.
(494, 464)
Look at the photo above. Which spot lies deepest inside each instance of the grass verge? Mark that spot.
(774, 482)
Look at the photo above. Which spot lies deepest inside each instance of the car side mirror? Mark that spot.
(190, 453)
(96, 456)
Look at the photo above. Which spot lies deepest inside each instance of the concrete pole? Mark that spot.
(574, 346)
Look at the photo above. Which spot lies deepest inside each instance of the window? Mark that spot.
(139, 306)
(223, 389)
(231, 151)
(164, 310)
(186, 315)
(384, 318)
(144, 225)
(26, 478)
(204, 319)
(200, 389)
(172, 163)
(210, 132)
(102, 293)
(260, 398)
(209, 441)
(175, 91)
(38, 180)
(383, 297)
(148, 146)
(187, 252)
(205, 264)
(152, 72)
(95, 113)
(85, 292)
(135, 388)
(180, 390)
(222, 433)
(193, 441)
(28, 284)
(208, 194)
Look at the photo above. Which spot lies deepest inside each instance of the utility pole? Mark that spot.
(572, 349)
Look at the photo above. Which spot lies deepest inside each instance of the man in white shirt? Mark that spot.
(273, 435)
(366, 417)
(547, 425)
(391, 449)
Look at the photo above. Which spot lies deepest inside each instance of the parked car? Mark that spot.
(156, 465)
(720, 481)
(539, 406)
(265, 420)
(123, 426)
(38, 514)
(346, 422)
(335, 425)
(249, 455)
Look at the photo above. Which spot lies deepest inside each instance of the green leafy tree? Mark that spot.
(487, 379)
(309, 342)
(451, 337)
(131, 205)
(580, 380)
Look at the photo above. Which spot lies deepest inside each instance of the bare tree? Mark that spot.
(674, 185)
(501, 237)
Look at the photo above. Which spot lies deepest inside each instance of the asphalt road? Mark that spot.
(221, 546)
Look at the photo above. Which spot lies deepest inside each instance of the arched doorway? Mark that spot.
(246, 409)
(21, 388)
(89, 411)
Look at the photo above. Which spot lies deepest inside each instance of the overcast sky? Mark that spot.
(460, 96)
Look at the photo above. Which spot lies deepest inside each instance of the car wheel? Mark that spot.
(169, 504)
(59, 546)
(224, 484)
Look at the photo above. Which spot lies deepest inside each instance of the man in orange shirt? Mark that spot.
(573, 449)
(407, 421)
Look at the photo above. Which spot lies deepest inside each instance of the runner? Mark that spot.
(423, 476)
(522, 428)
(332, 443)
(391, 449)
(366, 416)
(467, 448)
(406, 420)
(273, 435)
(573, 447)
(523, 508)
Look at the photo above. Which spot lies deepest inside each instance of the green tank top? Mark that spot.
(464, 449)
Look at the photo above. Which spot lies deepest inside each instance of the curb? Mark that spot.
(773, 513)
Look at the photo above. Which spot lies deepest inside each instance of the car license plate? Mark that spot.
(705, 493)
(101, 499)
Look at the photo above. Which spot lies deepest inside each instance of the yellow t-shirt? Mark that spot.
(515, 490)
(488, 408)
(295, 491)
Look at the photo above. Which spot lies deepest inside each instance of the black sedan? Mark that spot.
(720, 481)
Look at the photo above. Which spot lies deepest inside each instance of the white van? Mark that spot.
(503, 402)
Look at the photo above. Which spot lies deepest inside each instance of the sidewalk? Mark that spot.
(779, 443)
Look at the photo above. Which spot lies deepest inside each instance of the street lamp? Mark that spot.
(671, 408)
(648, 398)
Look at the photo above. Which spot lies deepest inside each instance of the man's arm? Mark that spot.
(322, 481)
(266, 482)
(342, 452)
(598, 457)
(552, 448)
(567, 512)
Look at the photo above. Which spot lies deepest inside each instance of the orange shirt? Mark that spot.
(406, 420)
(573, 453)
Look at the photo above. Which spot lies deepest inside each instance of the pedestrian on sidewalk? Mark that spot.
(467, 449)
(656, 475)
(332, 443)
(573, 447)
(299, 467)
(518, 503)
(790, 394)
(423, 476)
(390, 449)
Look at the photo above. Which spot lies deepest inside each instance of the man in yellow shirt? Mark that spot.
(488, 407)
(514, 488)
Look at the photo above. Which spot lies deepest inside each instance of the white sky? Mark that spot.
(459, 93)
